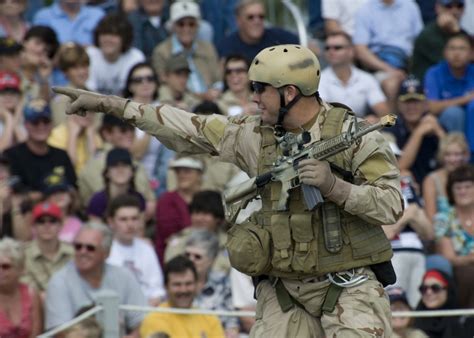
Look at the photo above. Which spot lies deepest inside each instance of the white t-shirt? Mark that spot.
(361, 91)
(110, 78)
(343, 11)
(141, 260)
(242, 289)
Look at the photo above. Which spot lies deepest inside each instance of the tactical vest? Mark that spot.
(312, 243)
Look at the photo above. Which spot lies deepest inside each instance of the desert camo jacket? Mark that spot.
(374, 196)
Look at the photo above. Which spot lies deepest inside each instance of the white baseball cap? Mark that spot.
(183, 9)
(187, 162)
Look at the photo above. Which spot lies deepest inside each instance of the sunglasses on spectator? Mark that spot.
(183, 23)
(88, 247)
(141, 79)
(47, 220)
(252, 17)
(335, 47)
(6, 266)
(452, 5)
(229, 71)
(435, 288)
(41, 120)
(191, 255)
(259, 87)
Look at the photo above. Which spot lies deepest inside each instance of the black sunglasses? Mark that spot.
(141, 79)
(335, 47)
(88, 247)
(51, 220)
(5, 266)
(251, 17)
(258, 87)
(435, 288)
(452, 5)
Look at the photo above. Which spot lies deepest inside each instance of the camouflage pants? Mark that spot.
(361, 311)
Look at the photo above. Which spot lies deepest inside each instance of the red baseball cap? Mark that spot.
(46, 209)
(9, 80)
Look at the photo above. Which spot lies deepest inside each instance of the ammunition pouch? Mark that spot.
(249, 248)
(300, 243)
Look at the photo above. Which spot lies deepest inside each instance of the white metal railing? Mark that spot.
(72, 322)
(300, 26)
(108, 314)
(434, 313)
(188, 311)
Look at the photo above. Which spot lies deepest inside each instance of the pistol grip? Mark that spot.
(312, 196)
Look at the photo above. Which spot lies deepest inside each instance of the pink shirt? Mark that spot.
(71, 227)
(24, 327)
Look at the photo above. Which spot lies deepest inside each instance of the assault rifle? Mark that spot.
(285, 168)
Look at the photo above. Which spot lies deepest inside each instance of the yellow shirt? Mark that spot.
(181, 326)
(59, 138)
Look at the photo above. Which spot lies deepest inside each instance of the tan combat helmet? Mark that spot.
(287, 65)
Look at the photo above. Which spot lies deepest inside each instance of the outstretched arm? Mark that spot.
(233, 141)
(177, 129)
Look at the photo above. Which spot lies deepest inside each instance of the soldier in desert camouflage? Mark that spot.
(317, 272)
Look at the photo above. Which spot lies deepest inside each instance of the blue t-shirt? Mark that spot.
(440, 84)
(233, 44)
(80, 29)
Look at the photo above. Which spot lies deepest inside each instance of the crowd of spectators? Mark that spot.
(89, 203)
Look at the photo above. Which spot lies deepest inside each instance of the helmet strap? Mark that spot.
(284, 109)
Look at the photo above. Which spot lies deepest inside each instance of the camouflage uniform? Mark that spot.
(362, 311)
(373, 200)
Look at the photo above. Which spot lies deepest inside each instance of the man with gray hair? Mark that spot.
(213, 287)
(80, 282)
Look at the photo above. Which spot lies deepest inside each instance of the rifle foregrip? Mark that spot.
(312, 196)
